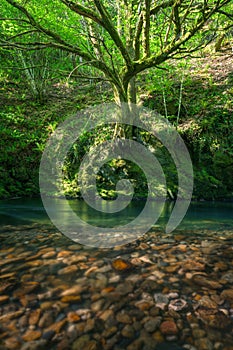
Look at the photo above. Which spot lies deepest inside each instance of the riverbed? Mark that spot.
(162, 291)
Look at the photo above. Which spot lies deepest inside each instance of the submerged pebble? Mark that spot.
(160, 292)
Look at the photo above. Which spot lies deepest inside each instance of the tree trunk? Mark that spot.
(126, 99)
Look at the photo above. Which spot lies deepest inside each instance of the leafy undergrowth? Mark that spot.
(26, 126)
(195, 95)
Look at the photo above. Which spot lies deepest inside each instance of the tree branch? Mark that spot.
(229, 15)
(159, 7)
(83, 11)
(59, 42)
(14, 19)
(108, 25)
(23, 33)
(176, 19)
(146, 27)
(136, 41)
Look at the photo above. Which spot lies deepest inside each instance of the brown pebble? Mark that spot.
(64, 253)
(31, 335)
(56, 327)
(3, 298)
(123, 318)
(70, 298)
(121, 265)
(67, 270)
(73, 317)
(72, 291)
(168, 328)
(106, 314)
(227, 294)
(34, 316)
(128, 331)
(13, 343)
(48, 255)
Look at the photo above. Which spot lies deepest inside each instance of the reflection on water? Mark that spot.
(210, 215)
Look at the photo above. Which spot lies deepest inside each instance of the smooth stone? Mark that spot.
(90, 270)
(84, 313)
(173, 295)
(109, 332)
(204, 344)
(124, 288)
(121, 265)
(198, 333)
(104, 269)
(63, 344)
(114, 279)
(67, 270)
(91, 345)
(46, 305)
(204, 282)
(206, 302)
(23, 321)
(63, 254)
(135, 345)
(49, 255)
(57, 326)
(26, 288)
(138, 314)
(172, 268)
(70, 298)
(106, 314)
(128, 331)
(90, 324)
(72, 291)
(228, 276)
(31, 335)
(227, 294)
(97, 305)
(168, 328)
(99, 283)
(34, 345)
(46, 319)
(171, 338)
(107, 290)
(71, 332)
(144, 305)
(11, 315)
(161, 300)
(158, 337)
(191, 265)
(73, 317)
(48, 335)
(123, 318)
(151, 325)
(4, 298)
(154, 311)
(84, 343)
(13, 343)
(81, 342)
(34, 316)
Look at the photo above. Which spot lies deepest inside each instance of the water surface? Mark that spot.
(200, 215)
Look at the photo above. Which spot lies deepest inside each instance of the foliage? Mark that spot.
(61, 56)
(119, 39)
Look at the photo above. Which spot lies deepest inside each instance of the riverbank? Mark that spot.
(160, 292)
